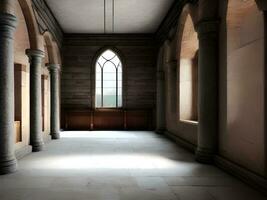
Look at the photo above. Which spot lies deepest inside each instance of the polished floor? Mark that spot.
(113, 165)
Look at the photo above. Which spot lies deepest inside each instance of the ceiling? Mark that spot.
(130, 16)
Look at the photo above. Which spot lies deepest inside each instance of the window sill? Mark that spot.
(189, 121)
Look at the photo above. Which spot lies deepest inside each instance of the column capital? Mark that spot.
(205, 27)
(8, 24)
(53, 67)
(35, 53)
(205, 155)
(262, 4)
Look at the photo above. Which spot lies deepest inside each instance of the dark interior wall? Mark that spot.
(138, 55)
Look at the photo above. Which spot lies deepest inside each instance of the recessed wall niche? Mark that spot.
(188, 80)
(18, 102)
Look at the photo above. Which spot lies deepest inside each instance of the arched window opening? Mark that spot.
(108, 84)
(189, 72)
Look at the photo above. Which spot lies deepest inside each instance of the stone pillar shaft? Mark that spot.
(172, 86)
(208, 91)
(55, 105)
(161, 124)
(8, 163)
(36, 138)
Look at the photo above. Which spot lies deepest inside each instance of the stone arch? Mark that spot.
(187, 56)
(172, 48)
(52, 49)
(173, 55)
(36, 41)
(175, 35)
(189, 14)
(21, 38)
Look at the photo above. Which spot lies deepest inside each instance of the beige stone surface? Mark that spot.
(243, 141)
(21, 43)
(181, 78)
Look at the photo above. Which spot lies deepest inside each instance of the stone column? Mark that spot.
(172, 88)
(208, 91)
(55, 105)
(161, 121)
(8, 163)
(36, 138)
(262, 5)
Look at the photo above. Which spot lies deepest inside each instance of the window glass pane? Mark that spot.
(116, 61)
(109, 97)
(119, 101)
(98, 68)
(119, 76)
(109, 84)
(120, 84)
(98, 97)
(109, 76)
(98, 76)
(119, 97)
(119, 91)
(120, 68)
(98, 84)
(110, 65)
(108, 54)
(98, 91)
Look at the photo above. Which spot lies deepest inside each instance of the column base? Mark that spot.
(160, 131)
(55, 136)
(205, 156)
(37, 146)
(8, 166)
(22, 152)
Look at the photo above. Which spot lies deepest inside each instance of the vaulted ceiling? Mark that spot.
(109, 16)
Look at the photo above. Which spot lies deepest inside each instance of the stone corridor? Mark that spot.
(112, 165)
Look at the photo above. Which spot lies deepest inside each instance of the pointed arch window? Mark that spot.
(108, 82)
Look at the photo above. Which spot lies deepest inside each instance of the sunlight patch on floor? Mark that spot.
(113, 161)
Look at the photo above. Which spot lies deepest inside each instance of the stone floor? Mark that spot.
(113, 165)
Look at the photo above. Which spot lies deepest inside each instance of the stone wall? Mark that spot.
(241, 136)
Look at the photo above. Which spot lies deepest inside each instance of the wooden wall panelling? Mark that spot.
(107, 119)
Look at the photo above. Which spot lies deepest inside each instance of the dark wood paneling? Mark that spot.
(138, 120)
(138, 53)
(107, 119)
(77, 120)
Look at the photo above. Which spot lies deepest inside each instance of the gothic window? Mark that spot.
(108, 81)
